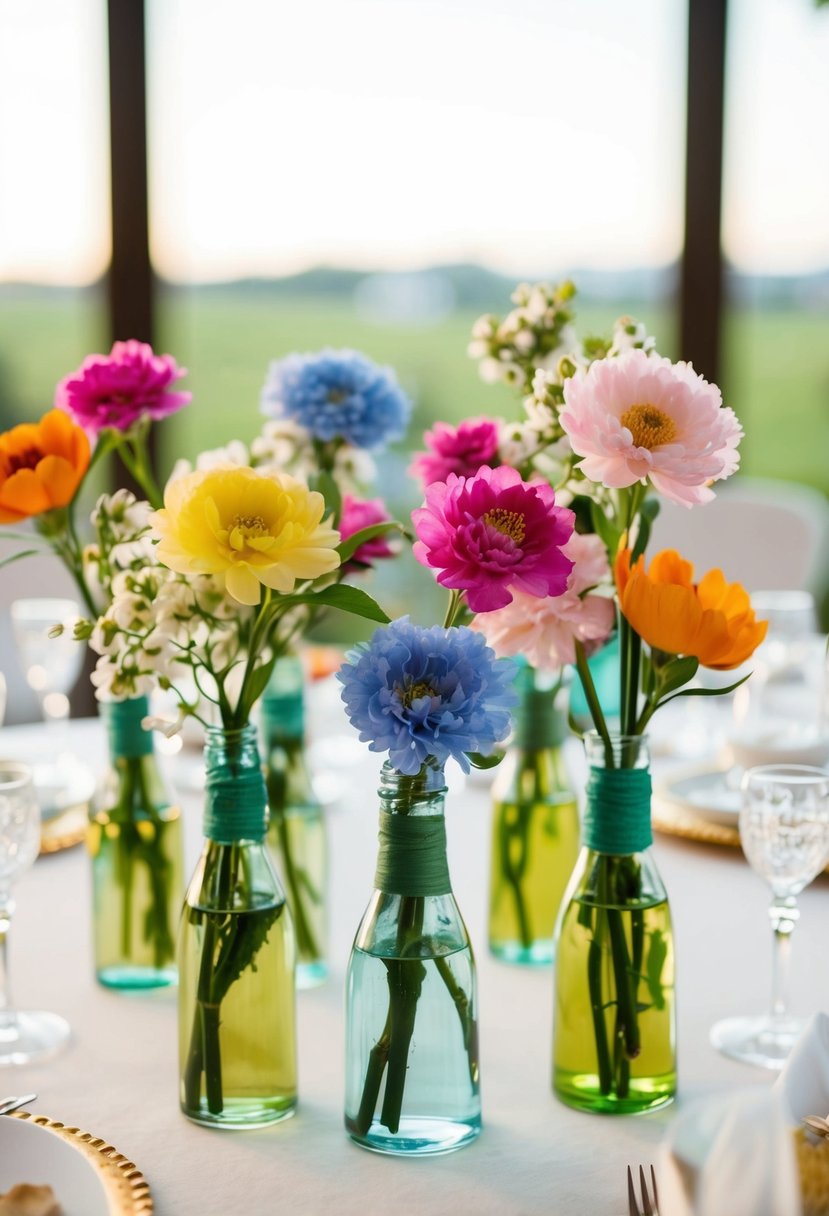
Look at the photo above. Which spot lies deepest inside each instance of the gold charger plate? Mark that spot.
(126, 1188)
(65, 830)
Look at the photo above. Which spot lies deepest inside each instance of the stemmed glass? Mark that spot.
(51, 666)
(784, 831)
(23, 1036)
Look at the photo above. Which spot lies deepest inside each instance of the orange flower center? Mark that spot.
(413, 692)
(649, 425)
(29, 458)
(509, 523)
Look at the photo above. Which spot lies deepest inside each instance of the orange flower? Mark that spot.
(712, 620)
(41, 466)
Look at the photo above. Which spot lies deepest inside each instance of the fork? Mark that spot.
(650, 1206)
(7, 1105)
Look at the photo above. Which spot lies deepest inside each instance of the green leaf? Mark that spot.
(647, 514)
(15, 557)
(347, 547)
(483, 762)
(603, 528)
(259, 681)
(574, 726)
(348, 599)
(706, 692)
(674, 674)
(327, 486)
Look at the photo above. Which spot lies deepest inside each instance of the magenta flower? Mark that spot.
(460, 450)
(491, 533)
(359, 513)
(118, 389)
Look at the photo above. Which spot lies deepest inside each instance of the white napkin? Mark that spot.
(733, 1155)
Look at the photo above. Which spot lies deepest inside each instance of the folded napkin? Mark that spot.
(734, 1155)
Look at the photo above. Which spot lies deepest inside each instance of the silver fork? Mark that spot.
(650, 1203)
(7, 1105)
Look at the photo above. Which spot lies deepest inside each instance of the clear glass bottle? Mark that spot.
(614, 1039)
(237, 1037)
(412, 1070)
(135, 841)
(296, 835)
(535, 827)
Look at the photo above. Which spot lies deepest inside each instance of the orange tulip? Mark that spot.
(41, 466)
(712, 620)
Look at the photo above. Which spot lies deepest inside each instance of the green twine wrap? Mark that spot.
(617, 818)
(127, 737)
(236, 807)
(412, 856)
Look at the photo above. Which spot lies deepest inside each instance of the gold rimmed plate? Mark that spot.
(88, 1176)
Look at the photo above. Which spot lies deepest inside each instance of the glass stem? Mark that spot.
(784, 914)
(6, 913)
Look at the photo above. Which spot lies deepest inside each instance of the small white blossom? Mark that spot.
(629, 334)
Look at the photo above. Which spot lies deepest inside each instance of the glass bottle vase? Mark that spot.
(535, 828)
(135, 841)
(614, 1040)
(296, 835)
(412, 1069)
(237, 1037)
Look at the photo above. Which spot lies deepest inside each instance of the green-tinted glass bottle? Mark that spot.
(237, 1038)
(296, 834)
(412, 1070)
(614, 1038)
(135, 840)
(535, 827)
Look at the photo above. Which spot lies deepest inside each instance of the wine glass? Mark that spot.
(24, 1036)
(784, 831)
(51, 666)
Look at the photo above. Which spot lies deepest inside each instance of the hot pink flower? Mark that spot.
(359, 513)
(492, 533)
(545, 631)
(119, 388)
(638, 417)
(460, 450)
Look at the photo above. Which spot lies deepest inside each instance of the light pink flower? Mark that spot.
(638, 418)
(489, 534)
(117, 389)
(359, 513)
(545, 631)
(460, 450)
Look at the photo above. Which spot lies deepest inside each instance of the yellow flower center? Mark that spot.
(246, 528)
(509, 523)
(649, 425)
(413, 692)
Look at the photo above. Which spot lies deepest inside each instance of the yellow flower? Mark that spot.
(245, 527)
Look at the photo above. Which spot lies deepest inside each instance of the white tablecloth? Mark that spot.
(118, 1079)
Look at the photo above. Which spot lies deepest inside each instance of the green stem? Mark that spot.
(377, 1060)
(594, 983)
(452, 608)
(307, 945)
(405, 979)
(512, 874)
(469, 1026)
(593, 703)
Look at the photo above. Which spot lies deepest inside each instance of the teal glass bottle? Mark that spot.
(535, 826)
(237, 1035)
(614, 1037)
(412, 1069)
(296, 834)
(135, 841)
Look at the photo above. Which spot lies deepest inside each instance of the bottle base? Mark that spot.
(416, 1137)
(537, 954)
(240, 1114)
(311, 975)
(583, 1092)
(128, 978)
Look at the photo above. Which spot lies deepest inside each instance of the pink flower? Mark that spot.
(460, 450)
(492, 533)
(359, 513)
(639, 417)
(119, 388)
(545, 631)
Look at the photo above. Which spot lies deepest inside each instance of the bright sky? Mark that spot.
(530, 135)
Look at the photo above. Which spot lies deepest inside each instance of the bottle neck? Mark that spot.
(283, 705)
(125, 734)
(412, 834)
(540, 724)
(617, 816)
(236, 807)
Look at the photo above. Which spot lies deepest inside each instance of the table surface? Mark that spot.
(118, 1078)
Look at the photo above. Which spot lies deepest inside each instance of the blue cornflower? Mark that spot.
(338, 394)
(427, 694)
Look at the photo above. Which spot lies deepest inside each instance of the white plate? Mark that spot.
(706, 793)
(88, 1176)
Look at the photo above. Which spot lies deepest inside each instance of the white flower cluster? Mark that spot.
(160, 625)
(122, 530)
(289, 447)
(629, 334)
(235, 452)
(537, 333)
